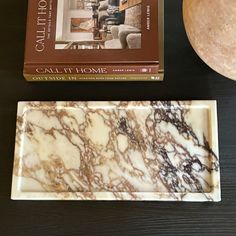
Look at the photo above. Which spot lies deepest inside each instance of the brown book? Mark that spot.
(73, 40)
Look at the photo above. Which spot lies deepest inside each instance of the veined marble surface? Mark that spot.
(117, 151)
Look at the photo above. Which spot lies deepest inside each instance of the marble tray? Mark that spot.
(117, 151)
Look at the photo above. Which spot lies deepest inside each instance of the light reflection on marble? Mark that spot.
(117, 151)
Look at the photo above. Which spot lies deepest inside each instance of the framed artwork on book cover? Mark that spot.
(80, 25)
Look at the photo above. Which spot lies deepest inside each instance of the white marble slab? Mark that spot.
(117, 151)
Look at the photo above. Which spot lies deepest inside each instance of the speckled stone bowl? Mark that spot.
(211, 29)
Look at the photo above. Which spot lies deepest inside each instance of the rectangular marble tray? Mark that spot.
(117, 151)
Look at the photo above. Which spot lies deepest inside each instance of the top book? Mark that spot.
(70, 40)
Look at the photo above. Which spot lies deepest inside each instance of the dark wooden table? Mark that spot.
(187, 77)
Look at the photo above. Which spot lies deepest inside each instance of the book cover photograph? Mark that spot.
(98, 25)
(70, 40)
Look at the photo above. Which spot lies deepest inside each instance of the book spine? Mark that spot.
(92, 69)
(92, 72)
(87, 78)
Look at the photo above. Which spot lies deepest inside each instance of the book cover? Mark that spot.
(70, 40)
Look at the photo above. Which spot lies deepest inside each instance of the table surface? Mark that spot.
(186, 77)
